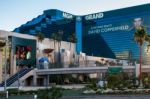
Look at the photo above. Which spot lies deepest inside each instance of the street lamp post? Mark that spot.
(18, 75)
(5, 67)
(3, 43)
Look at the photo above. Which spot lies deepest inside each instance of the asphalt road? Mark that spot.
(90, 97)
(111, 97)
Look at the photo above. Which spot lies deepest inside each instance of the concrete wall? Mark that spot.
(49, 43)
(64, 48)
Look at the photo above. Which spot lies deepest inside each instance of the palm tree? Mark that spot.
(147, 39)
(54, 38)
(72, 39)
(140, 36)
(40, 36)
(59, 39)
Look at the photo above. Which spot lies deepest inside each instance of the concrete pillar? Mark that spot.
(12, 63)
(46, 80)
(47, 84)
(137, 70)
(100, 75)
(14, 68)
(34, 78)
(1, 66)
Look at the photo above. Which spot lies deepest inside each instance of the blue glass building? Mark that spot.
(105, 34)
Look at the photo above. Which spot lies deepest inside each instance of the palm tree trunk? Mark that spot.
(59, 58)
(54, 44)
(140, 75)
(70, 46)
(70, 58)
(54, 53)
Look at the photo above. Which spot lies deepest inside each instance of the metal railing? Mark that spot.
(14, 78)
(86, 63)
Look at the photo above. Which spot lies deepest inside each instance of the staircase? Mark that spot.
(14, 78)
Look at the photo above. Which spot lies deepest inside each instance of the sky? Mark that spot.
(14, 13)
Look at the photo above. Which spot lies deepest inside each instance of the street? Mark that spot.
(89, 97)
(111, 97)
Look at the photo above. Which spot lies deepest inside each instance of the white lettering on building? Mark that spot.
(67, 15)
(94, 16)
(107, 28)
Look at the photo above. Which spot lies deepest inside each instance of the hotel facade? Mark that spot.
(106, 34)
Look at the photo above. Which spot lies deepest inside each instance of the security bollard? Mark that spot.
(6, 94)
(35, 96)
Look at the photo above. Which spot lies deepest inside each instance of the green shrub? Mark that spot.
(71, 65)
(2, 94)
(99, 63)
(13, 91)
(52, 93)
(113, 81)
(92, 86)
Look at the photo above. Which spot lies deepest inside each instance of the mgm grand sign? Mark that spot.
(94, 16)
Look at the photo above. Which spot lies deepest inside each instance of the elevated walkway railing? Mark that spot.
(15, 77)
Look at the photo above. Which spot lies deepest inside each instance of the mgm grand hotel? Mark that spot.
(105, 34)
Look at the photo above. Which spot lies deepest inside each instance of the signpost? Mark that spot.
(115, 70)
